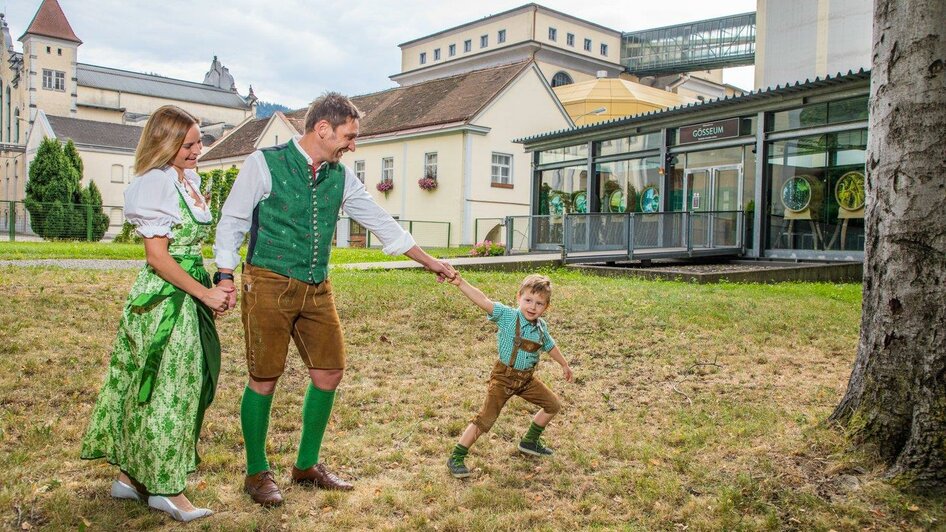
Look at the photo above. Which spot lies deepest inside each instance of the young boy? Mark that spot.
(522, 333)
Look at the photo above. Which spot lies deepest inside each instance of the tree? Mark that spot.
(217, 185)
(60, 208)
(50, 191)
(895, 403)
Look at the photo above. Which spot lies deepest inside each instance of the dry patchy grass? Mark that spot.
(649, 439)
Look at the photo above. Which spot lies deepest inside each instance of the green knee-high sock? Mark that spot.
(316, 411)
(459, 452)
(254, 418)
(534, 432)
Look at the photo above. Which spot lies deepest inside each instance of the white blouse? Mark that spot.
(152, 204)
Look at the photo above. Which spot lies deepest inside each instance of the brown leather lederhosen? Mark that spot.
(506, 381)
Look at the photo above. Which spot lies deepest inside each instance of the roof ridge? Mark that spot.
(158, 77)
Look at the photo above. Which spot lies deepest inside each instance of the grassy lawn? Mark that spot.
(649, 439)
(109, 250)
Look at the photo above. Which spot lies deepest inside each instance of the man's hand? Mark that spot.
(443, 269)
(232, 297)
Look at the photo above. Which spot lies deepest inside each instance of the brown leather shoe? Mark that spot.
(262, 488)
(321, 477)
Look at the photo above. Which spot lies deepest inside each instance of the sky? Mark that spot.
(291, 51)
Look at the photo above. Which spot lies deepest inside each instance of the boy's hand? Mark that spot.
(567, 373)
(456, 281)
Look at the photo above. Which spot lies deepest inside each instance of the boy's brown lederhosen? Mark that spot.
(505, 382)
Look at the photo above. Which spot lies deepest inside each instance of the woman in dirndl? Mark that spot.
(166, 356)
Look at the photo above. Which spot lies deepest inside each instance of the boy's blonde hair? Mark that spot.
(162, 137)
(537, 284)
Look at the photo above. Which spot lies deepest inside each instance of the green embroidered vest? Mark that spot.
(293, 227)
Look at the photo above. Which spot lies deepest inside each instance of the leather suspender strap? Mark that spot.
(515, 345)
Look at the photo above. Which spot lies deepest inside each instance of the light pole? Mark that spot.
(598, 111)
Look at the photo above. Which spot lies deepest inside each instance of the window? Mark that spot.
(467, 45)
(452, 50)
(387, 169)
(484, 41)
(561, 78)
(360, 170)
(500, 36)
(436, 54)
(58, 51)
(430, 165)
(570, 39)
(118, 173)
(501, 170)
(48, 50)
(54, 80)
(587, 45)
(553, 34)
(423, 58)
(604, 49)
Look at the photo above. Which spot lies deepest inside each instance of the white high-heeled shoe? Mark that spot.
(120, 490)
(165, 505)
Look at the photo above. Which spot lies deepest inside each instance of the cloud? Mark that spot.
(293, 50)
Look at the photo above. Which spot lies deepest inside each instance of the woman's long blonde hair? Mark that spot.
(162, 138)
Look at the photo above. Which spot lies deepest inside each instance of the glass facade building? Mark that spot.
(790, 160)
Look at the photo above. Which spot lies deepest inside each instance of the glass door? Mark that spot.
(727, 192)
(707, 191)
(698, 188)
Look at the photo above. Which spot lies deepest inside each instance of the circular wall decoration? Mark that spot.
(580, 201)
(650, 199)
(556, 205)
(796, 193)
(616, 202)
(849, 191)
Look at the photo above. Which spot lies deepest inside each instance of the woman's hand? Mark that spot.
(217, 298)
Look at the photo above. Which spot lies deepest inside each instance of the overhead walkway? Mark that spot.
(703, 45)
(616, 237)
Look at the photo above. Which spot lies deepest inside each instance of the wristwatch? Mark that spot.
(221, 276)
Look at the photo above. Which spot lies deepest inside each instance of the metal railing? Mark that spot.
(492, 229)
(623, 235)
(58, 221)
(426, 233)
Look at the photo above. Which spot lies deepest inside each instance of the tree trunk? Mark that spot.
(896, 398)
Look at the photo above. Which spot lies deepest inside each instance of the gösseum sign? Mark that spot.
(721, 129)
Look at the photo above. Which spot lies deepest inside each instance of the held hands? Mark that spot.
(232, 297)
(444, 271)
(218, 298)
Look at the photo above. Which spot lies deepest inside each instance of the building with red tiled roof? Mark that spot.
(457, 129)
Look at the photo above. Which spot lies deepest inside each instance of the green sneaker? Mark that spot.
(457, 468)
(535, 448)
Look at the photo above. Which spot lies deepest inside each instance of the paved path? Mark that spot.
(512, 262)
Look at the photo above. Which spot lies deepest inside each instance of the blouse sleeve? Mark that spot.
(151, 205)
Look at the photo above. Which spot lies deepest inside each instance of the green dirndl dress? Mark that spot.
(162, 375)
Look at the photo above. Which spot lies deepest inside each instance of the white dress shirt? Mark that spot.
(254, 183)
(152, 202)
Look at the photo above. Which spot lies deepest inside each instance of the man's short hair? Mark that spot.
(333, 107)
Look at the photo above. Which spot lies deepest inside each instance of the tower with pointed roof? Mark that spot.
(50, 49)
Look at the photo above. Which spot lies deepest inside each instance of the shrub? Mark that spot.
(487, 248)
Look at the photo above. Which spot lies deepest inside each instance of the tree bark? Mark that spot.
(896, 398)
